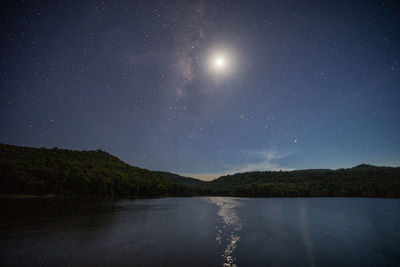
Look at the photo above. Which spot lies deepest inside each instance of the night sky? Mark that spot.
(205, 88)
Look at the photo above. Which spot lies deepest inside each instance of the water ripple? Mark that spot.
(228, 229)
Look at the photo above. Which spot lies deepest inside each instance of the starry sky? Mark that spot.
(305, 84)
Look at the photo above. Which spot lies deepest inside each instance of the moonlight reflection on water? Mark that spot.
(228, 228)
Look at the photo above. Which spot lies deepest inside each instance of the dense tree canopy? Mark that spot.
(25, 170)
(65, 172)
(361, 181)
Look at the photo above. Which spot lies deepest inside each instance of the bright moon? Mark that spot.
(219, 62)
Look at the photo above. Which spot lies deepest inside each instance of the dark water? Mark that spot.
(201, 232)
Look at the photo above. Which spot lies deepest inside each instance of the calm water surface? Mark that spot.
(209, 231)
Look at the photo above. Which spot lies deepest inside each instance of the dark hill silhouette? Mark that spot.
(27, 170)
(178, 179)
(365, 167)
(360, 181)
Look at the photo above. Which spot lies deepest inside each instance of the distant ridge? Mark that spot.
(367, 167)
(176, 178)
(360, 181)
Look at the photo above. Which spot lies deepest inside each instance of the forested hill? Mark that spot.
(26, 170)
(361, 181)
(178, 179)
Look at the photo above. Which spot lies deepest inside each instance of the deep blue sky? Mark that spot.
(315, 84)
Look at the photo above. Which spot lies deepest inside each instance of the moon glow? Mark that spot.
(221, 62)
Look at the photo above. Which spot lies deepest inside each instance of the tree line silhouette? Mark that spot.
(61, 172)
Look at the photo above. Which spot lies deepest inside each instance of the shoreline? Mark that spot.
(52, 196)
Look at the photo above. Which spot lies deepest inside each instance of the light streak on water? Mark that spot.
(229, 227)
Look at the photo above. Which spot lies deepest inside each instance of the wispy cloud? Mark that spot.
(254, 160)
(261, 160)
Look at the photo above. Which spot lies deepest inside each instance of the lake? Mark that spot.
(201, 231)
